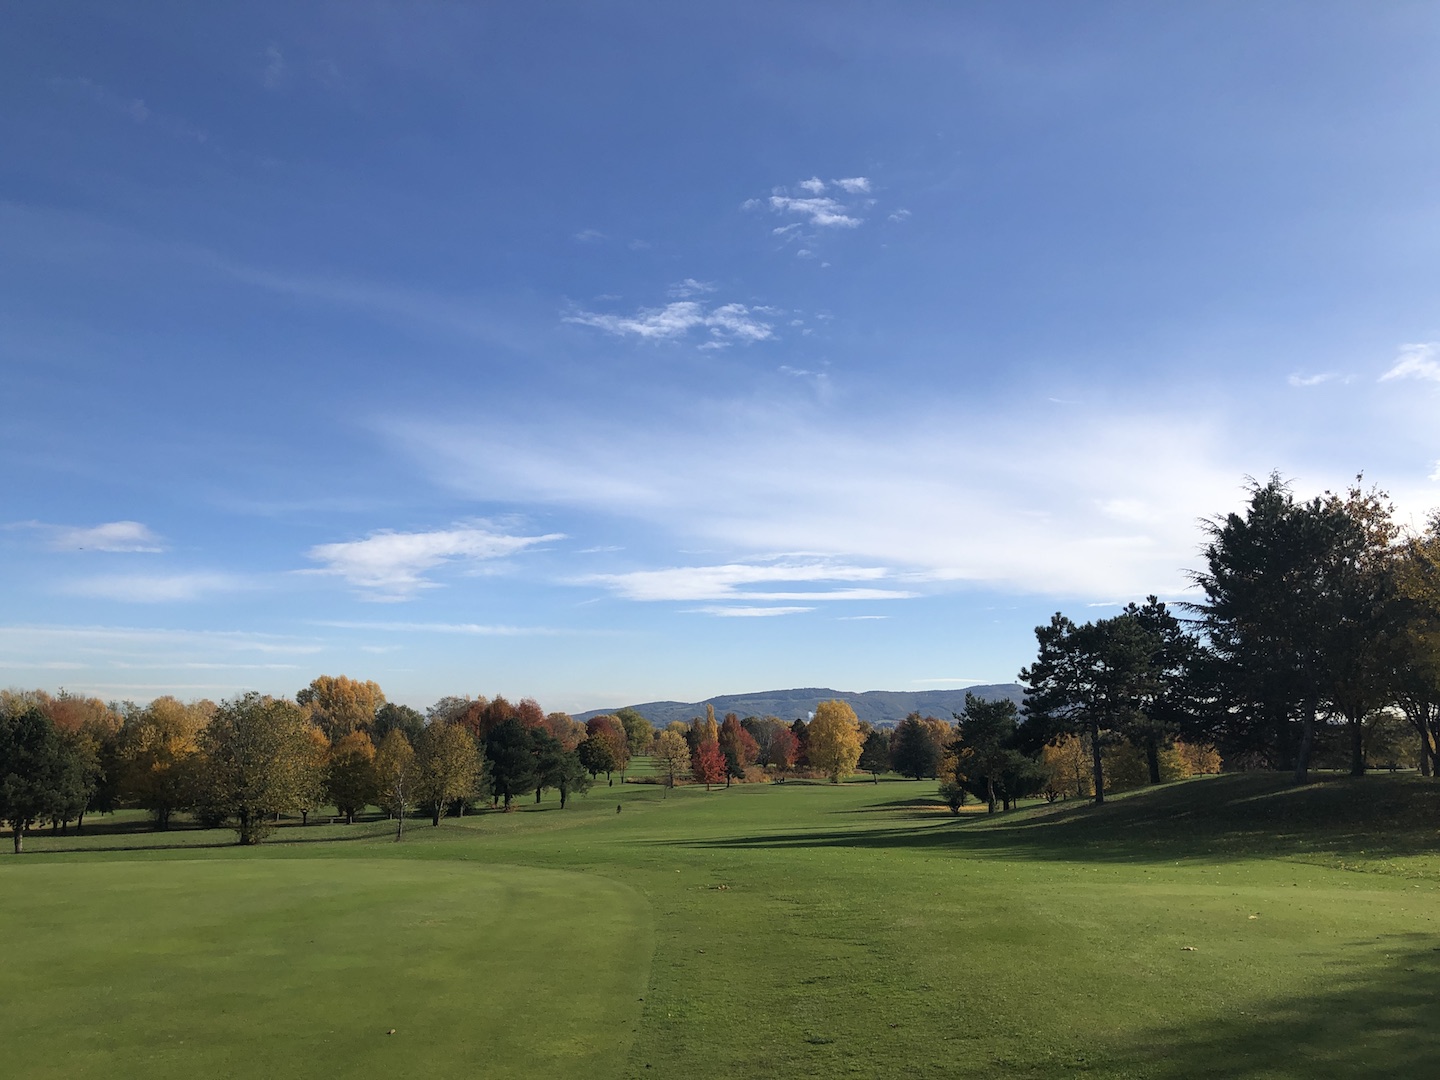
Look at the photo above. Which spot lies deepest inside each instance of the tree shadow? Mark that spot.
(1374, 1020)
(1220, 817)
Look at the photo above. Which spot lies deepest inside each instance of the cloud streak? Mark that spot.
(724, 325)
(392, 565)
(1420, 360)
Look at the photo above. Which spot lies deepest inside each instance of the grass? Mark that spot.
(1230, 926)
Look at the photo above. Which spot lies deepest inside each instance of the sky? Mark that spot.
(609, 353)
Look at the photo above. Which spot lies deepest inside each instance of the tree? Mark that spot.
(638, 731)
(340, 705)
(612, 733)
(350, 780)
(987, 729)
(597, 755)
(739, 748)
(39, 774)
(834, 739)
(508, 753)
(672, 755)
(395, 777)
(258, 757)
(1090, 680)
(312, 792)
(782, 749)
(158, 752)
(1415, 645)
(913, 752)
(402, 718)
(1295, 615)
(707, 764)
(448, 767)
(875, 754)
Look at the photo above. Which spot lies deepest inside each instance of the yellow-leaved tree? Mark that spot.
(157, 751)
(339, 705)
(833, 739)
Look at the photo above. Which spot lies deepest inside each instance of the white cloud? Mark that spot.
(727, 581)
(1104, 506)
(155, 588)
(464, 629)
(589, 236)
(725, 324)
(750, 612)
(822, 212)
(392, 565)
(111, 536)
(855, 185)
(1436, 474)
(1311, 380)
(684, 290)
(814, 185)
(1416, 361)
(899, 215)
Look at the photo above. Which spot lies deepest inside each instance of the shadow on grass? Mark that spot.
(1376, 1020)
(1379, 816)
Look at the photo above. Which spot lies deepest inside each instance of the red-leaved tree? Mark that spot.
(707, 764)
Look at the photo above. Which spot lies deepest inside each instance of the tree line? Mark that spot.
(1315, 641)
(338, 742)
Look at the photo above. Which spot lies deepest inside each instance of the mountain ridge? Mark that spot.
(873, 706)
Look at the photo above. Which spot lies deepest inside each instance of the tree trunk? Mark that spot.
(990, 793)
(563, 794)
(1152, 758)
(1097, 766)
(1307, 742)
(19, 838)
(537, 794)
(435, 817)
(304, 817)
(1357, 747)
(349, 817)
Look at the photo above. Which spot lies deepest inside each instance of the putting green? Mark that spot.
(284, 968)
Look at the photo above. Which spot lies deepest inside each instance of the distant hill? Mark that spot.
(875, 706)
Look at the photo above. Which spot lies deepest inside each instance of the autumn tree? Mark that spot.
(448, 767)
(782, 748)
(312, 791)
(350, 781)
(258, 757)
(339, 705)
(609, 731)
(672, 756)
(597, 755)
(1414, 655)
(707, 764)
(833, 739)
(395, 777)
(158, 752)
(565, 728)
(739, 748)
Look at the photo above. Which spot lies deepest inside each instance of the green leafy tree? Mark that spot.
(1091, 680)
(913, 752)
(511, 762)
(402, 718)
(448, 767)
(40, 775)
(258, 758)
(985, 744)
(597, 755)
(875, 754)
(639, 732)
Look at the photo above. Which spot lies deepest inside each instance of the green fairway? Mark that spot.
(284, 968)
(1230, 926)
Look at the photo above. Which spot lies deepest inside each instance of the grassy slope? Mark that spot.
(860, 932)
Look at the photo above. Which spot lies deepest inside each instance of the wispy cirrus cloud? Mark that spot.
(156, 588)
(463, 629)
(1299, 380)
(112, 536)
(390, 565)
(749, 612)
(723, 324)
(815, 207)
(1420, 360)
(736, 581)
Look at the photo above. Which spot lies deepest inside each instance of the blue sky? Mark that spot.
(609, 353)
